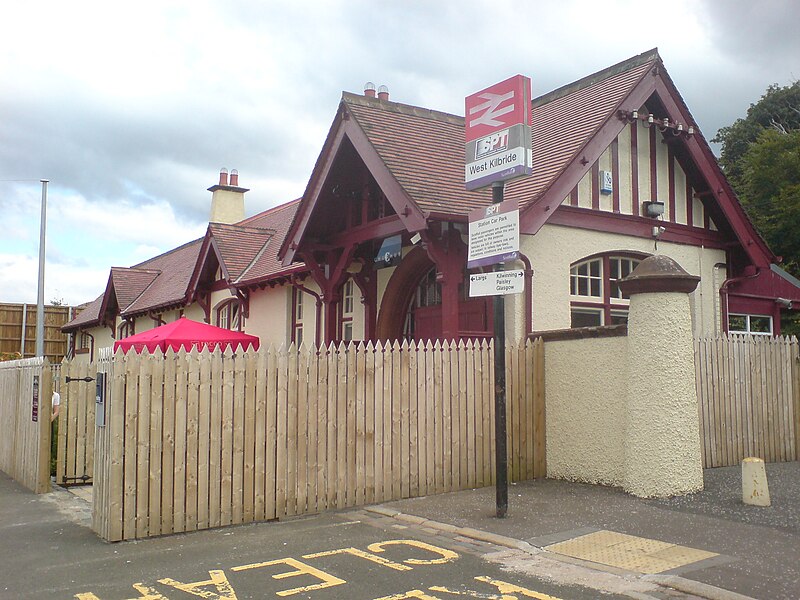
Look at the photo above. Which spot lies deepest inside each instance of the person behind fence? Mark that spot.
(56, 405)
(54, 430)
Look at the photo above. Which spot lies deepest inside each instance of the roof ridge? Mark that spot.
(181, 247)
(272, 209)
(620, 67)
(238, 227)
(136, 269)
(405, 109)
(255, 259)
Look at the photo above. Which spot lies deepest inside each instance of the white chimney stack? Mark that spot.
(227, 199)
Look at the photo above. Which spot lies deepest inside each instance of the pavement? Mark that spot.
(720, 548)
(705, 545)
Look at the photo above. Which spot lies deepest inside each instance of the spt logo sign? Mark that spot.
(497, 142)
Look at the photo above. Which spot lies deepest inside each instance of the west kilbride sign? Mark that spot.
(498, 133)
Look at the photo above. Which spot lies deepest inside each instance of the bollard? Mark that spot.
(755, 490)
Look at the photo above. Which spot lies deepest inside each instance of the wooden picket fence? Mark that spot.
(749, 394)
(198, 440)
(25, 392)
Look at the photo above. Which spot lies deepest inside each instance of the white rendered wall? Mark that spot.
(585, 392)
(662, 454)
(270, 316)
(554, 248)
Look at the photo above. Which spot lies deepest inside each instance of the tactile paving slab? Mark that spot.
(629, 552)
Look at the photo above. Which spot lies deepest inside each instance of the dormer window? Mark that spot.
(227, 314)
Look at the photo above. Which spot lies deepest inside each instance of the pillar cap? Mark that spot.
(658, 273)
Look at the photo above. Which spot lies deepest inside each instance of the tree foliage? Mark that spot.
(770, 191)
(761, 158)
(778, 110)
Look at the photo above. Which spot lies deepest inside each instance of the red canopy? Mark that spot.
(188, 334)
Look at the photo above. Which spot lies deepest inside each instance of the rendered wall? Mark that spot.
(585, 391)
(270, 315)
(554, 248)
(663, 455)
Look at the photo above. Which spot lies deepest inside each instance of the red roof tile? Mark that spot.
(169, 288)
(90, 315)
(129, 284)
(267, 264)
(238, 246)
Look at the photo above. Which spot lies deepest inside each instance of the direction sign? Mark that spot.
(497, 283)
(493, 234)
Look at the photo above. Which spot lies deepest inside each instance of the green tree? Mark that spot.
(770, 191)
(761, 157)
(778, 110)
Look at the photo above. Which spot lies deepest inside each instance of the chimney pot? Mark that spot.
(234, 178)
(223, 176)
(369, 89)
(383, 93)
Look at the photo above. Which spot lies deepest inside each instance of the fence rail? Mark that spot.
(199, 440)
(749, 394)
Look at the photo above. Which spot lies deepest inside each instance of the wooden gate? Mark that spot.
(76, 423)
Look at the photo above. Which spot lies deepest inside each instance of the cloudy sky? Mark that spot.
(130, 109)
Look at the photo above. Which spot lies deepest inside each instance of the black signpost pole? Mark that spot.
(501, 454)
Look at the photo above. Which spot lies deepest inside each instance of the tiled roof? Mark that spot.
(169, 288)
(130, 283)
(424, 149)
(90, 315)
(249, 250)
(239, 245)
(267, 264)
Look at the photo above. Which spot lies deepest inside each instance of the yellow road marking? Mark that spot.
(302, 569)
(217, 578)
(360, 553)
(446, 555)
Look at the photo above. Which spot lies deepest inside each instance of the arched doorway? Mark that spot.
(411, 307)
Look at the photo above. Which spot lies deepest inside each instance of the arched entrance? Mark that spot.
(411, 307)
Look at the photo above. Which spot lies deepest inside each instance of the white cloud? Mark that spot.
(131, 109)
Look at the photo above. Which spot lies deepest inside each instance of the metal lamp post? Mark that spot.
(40, 295)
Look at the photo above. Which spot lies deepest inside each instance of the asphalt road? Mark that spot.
(47, 551)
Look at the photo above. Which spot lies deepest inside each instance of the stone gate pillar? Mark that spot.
(662, 447)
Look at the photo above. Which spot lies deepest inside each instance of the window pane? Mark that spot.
(573, 285)
(583, 269)
(614, 264)
(586, 317)
(595, 287)
(760, 324)
(583, 287)
(737, 323)
(618, 317)
(615, 291)
(595, 266)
